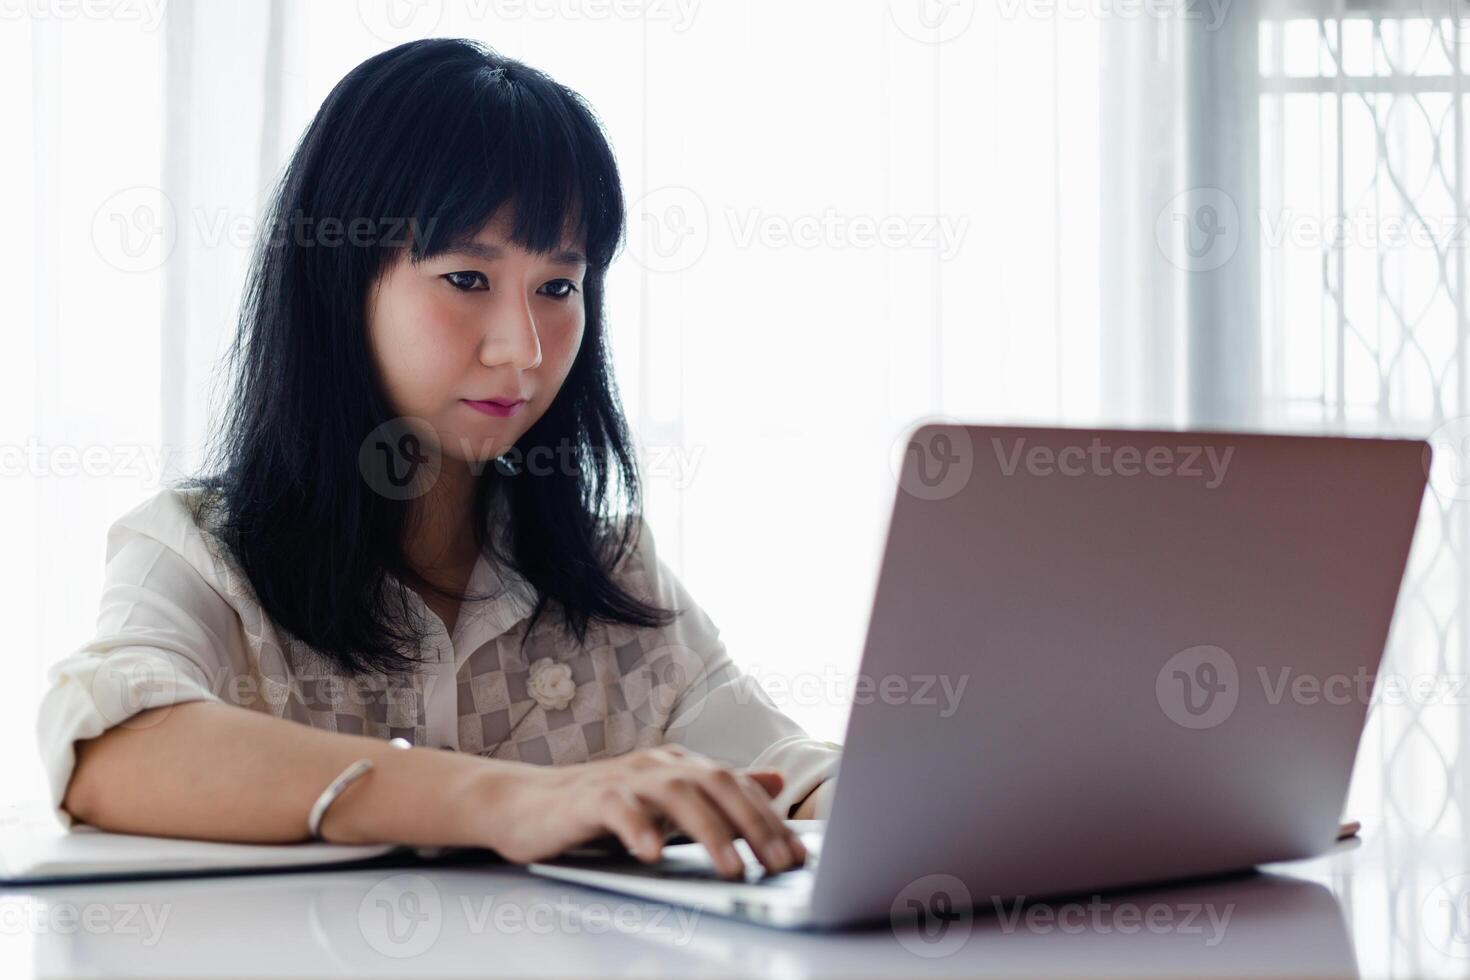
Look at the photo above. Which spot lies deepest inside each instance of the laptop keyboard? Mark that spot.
(690, 862)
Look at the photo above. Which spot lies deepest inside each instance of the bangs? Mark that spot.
(518, 138)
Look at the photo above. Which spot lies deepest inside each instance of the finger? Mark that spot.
(747, 806)
(773, 786)
(650, 757)
(772, 781)
(670, 753)
(680, 797)
(747, 801)
(632, 823)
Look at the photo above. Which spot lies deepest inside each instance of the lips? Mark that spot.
(496, 407)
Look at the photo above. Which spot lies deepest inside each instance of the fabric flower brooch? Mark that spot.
(551, 684)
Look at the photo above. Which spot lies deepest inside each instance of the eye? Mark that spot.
(565, 286)
(465, 281)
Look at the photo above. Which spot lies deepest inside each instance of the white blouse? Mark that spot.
(179, 622)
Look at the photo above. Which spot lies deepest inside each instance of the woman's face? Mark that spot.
(486, 321)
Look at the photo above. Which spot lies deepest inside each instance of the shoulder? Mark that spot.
(174, 520)
(647, 574)
(640, 568)
(168, 516)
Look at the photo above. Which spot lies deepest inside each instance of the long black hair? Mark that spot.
(415, 149)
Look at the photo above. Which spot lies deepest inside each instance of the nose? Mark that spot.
(511, 337)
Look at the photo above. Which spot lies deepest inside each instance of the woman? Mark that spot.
(407, 529)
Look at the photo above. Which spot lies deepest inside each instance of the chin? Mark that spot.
(472, 448)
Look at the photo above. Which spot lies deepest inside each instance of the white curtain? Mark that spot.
(844, 216)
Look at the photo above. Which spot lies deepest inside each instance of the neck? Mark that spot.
(440, 542)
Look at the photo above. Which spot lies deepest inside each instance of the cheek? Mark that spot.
(415, 338)
(559, 346)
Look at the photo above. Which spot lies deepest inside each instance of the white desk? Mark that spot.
(1385, 907)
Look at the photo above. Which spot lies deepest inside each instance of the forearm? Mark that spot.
(219, 772)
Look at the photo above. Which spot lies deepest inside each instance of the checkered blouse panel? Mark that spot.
(628, 683)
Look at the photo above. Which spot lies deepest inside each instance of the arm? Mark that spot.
(214, 771)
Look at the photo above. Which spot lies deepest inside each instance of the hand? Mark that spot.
(557, 808)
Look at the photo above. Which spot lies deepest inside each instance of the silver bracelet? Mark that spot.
(336, 787)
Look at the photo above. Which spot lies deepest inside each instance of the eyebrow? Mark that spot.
(489, 253)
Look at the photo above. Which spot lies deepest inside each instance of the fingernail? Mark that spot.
(650, 843)
(781, 852)
(733, 862)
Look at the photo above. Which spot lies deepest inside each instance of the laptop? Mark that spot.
(1160, 647)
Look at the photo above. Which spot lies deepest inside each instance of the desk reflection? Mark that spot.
(497, 920)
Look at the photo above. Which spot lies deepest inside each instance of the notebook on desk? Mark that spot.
(36, 849)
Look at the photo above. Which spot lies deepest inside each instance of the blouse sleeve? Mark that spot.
(160, 640)
(724, 713)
